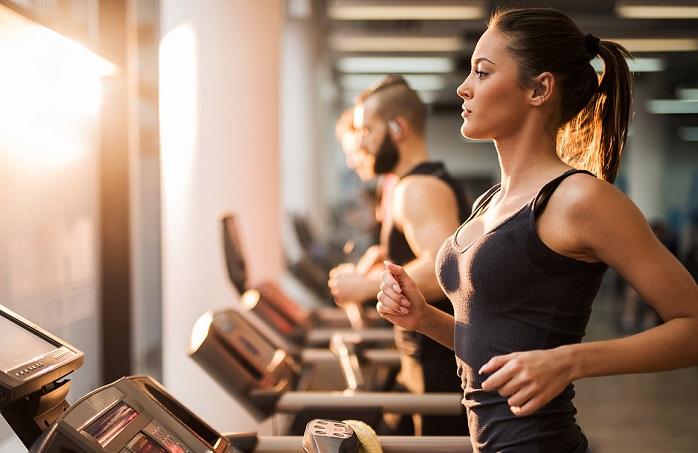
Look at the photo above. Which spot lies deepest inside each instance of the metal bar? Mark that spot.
(400, 403)
(323, 335)
(337, 316)
(390, 444)
(318, 356)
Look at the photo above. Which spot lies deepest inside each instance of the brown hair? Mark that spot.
(594, 115)
(396, 98)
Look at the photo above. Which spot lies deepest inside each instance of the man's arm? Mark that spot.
(426, 210)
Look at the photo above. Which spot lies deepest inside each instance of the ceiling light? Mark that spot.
(396, 44)
(688, 134)
(635, 65)
(658, 44)
(687, 93)
(657, 10)
(418, 82)
(396, 65)
(406, 11)
(672, 106)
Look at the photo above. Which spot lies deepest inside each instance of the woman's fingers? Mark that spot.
(399, 274)
(499, 378)
(390, 305)
(384, 310)
(511, 387)
(521, 397)
(391, 282)
(391, 292)
(529, 407)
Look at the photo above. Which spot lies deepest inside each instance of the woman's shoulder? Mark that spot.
(592, 212)
(583, 193)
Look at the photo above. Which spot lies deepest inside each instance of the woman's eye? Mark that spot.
(481, 74)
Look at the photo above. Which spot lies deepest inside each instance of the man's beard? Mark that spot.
(386, 157)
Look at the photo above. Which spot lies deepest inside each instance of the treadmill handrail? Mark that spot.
(389, 444)
(318, 356)
(377, 334)
(400, 403)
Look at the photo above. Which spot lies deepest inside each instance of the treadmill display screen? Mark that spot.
(144, 444)
(20, 345)
(111, 423)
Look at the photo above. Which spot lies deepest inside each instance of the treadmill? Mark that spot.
(262, 378)
(318, 367)
(135, 414)
(298, 325)
(306, 259)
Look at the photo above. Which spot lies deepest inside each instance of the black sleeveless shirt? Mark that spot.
(399, 252)
(510, 293)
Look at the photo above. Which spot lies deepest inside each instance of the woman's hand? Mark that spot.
(399, 299)
(529, 379)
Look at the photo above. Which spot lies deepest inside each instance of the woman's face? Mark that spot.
(494, 104)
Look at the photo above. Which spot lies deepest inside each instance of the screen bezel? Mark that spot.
(52, 341)
(60, 362)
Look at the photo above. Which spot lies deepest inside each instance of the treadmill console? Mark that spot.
(266, 300)
(241, 359)
(31, 358)
(132, 415)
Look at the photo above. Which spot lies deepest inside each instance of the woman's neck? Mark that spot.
(527, 159)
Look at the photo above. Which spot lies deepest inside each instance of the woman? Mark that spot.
(523, 270)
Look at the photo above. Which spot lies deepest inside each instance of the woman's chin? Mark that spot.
(469, 133)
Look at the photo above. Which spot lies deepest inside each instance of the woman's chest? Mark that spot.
(496, 266)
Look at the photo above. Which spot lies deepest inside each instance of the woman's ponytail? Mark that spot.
(594, 115)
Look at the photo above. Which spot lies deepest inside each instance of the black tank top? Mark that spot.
(399, 252)
(511, 292)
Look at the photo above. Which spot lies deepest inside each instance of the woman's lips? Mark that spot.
(465, 112)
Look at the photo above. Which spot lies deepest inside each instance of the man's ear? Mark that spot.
(543, 87)
(398, 128)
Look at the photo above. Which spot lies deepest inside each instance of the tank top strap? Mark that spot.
(482, 201)
(541, 200)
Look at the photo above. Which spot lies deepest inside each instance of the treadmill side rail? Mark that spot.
(390, 444)
(322, 336)
(319, 356)
(399, 403)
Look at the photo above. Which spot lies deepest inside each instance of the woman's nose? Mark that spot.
(463, 90)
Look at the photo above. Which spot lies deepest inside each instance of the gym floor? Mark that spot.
(636, 413)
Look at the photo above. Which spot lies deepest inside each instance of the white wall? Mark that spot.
(301, 151)
(219, 110)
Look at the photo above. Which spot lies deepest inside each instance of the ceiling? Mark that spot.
(394, 36)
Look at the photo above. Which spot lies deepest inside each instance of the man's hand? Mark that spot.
(374, 255)
(348, 285)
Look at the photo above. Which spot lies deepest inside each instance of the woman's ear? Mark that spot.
(543, 87)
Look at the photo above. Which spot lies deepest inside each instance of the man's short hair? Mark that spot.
(395, 97)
